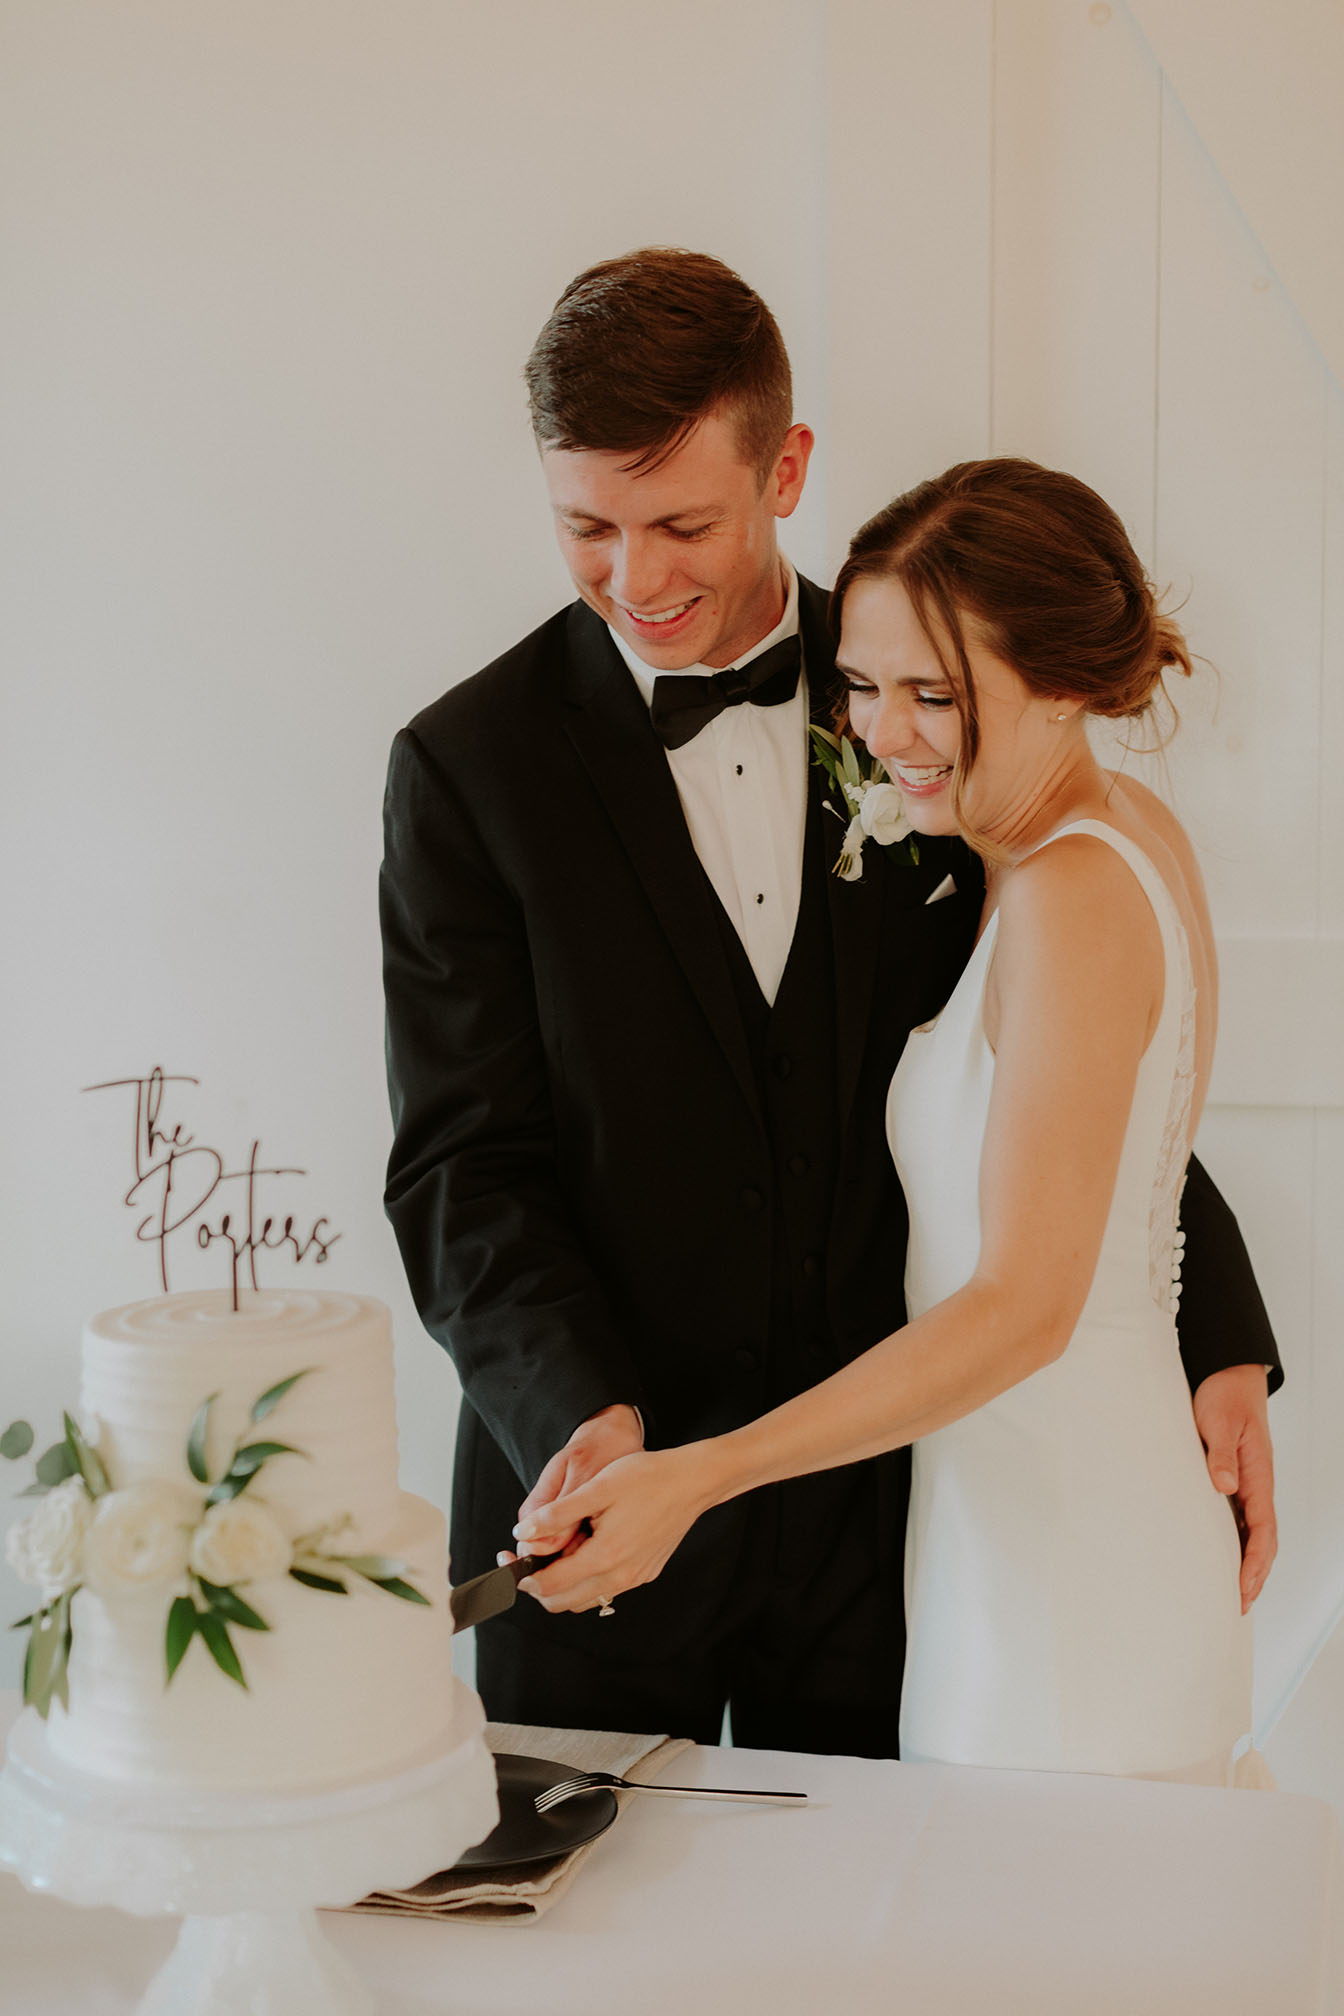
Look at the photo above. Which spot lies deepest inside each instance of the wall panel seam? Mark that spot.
(1157, 317)
(1322, 667)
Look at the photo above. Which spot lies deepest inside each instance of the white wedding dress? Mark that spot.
(1071, 1573)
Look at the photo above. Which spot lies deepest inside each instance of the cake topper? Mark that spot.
(178, 1175)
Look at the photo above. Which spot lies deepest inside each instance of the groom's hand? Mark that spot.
(601, 1439)
(1232, 1416)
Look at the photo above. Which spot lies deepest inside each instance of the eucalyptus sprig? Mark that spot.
(47, 1658)
(70, 1457)
(47, 1653)
(248, 1457)
(385, 1572)
(209, 1613)
(16, 1441)
(55, 1546)
(50, 1633)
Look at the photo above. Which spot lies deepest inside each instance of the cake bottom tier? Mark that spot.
(340, 1688)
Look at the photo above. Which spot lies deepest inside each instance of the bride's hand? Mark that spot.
(640, 1508)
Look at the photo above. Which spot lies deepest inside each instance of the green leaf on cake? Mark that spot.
(16, 1441)
(228, 1487)
(274, 1394)
(86, 1461)
(311, 1580)
(60, 1685)
(254, 1454)
(244, 1467)
(396, 1587)
(219, 1644)
(228, 1604)
(200, 1428)
(54, 1465)
(179, 1632)
(382, 1571)
(48, 1650)
(377, 1567)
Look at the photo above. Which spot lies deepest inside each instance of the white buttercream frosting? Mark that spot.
(341, 1687)
(148, 1366)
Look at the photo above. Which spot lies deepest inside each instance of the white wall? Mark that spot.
(271, 271)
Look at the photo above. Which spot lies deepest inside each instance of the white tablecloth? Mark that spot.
(910, 1888)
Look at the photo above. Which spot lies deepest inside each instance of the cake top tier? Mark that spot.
(148, 1367)
(204, 1315)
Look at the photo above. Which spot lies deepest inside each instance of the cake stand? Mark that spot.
(246, 1871)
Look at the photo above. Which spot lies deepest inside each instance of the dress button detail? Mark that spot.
(812, 1265)
(781, 1066)
(798, 1165)
(753, 1199)
(746, 1357)
(760, 899)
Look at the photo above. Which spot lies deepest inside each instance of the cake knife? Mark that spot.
(489, 1595)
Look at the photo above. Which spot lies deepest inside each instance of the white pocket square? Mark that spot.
(947, 887)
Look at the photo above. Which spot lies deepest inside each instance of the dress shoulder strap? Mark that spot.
(1165, 1240)
(1145, 872)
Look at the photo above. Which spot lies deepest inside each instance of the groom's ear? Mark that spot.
(784, 484)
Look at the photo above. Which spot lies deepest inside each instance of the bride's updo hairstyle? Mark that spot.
(1044, 570)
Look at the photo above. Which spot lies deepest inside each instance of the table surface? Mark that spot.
(920, 1888)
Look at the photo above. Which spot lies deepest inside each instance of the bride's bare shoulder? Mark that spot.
(1140, 811)
(1125, 791)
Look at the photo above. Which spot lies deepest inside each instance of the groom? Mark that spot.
(639, 1040)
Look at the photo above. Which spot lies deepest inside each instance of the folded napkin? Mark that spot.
(526, 1889)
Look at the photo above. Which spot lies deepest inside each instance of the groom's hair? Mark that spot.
(639, 349)
(1043, 568)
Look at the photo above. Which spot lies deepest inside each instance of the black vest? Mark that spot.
(792, 1045)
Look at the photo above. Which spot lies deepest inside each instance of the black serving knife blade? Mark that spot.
(489, 1595)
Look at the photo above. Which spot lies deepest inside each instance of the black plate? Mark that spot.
(523, 1834)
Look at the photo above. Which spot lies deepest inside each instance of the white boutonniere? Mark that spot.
(869, 803)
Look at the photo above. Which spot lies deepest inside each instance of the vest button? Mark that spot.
(812, 1265)
(781, 1066)
(753, 1199)
(746, 1357)
(798, 1165)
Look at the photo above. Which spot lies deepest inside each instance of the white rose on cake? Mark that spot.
(139, 1538)
(882, 814)
(47, 1548)
(239, 1541)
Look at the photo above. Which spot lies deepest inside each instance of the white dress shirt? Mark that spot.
(743, 787)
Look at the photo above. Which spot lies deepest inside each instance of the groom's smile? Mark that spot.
(680, 559)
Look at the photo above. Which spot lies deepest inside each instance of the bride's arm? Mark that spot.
(1078, 987)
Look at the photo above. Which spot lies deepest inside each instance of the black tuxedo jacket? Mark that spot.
(578, 1132)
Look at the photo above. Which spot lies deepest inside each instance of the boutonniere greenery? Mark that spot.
(868, 802)
(197, 1542)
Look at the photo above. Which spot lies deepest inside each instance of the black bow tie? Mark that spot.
(684, 703)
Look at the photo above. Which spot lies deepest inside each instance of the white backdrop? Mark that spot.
(271, 269)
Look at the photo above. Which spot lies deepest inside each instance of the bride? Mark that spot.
(1071, 1573)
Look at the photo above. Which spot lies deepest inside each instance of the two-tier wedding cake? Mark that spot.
(250, 1599)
